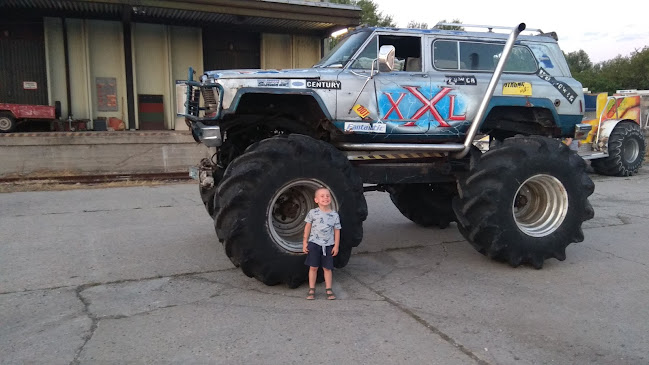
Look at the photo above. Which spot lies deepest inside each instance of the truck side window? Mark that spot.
(445, 55)
(521, 60)
(480, 56)
(407, 53)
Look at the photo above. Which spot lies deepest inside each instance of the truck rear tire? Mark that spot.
(626, 151)
(525, 201)
(7, 123)
(265, 195)
(425, 204)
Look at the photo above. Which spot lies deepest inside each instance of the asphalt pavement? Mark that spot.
(136, 275)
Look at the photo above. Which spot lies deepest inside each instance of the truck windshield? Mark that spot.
(343, 52)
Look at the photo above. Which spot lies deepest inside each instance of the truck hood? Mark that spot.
(304, 73)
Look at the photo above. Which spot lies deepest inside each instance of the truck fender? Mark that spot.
(605, 130)
(234, 105)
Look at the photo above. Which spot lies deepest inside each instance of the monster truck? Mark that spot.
(396, 110)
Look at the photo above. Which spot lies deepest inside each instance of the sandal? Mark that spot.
(310, 294)
(330, 294)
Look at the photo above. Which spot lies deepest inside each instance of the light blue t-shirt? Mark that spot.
(322, 227)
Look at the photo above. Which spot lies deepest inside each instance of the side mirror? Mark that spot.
(386, 58)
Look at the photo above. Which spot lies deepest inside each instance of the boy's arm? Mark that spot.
(305, 239)
(334, 251)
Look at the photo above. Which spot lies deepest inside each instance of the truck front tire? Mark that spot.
(264, 196)
(525, 201)
(626, 151)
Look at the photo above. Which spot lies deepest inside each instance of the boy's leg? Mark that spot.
(313, 273)
(328, 276)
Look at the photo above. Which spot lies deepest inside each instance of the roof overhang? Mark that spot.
(293, 16)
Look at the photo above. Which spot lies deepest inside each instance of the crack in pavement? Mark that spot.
(93, 326)
(390, 249)
(423, 322)
(91, 211)
(90, 285)
(612, 254)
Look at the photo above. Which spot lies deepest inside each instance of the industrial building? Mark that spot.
(122, 59)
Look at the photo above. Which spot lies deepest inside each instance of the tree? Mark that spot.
(416, 25)
(370, 14)
(578, 61)
(618, 73)
(449, 27)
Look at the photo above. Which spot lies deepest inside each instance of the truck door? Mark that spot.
(458, 85)
(396, 102)
(404, 98)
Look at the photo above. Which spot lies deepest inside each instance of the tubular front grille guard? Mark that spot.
(212, 100)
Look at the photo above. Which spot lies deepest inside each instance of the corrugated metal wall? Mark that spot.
(22, 59)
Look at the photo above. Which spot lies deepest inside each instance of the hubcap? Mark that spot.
(540, 205)
(5, 123)
(287, 210)
(631, 150)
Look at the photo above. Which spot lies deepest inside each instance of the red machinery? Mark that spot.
(13, 114)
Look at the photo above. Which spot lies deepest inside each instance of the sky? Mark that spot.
(602, 29)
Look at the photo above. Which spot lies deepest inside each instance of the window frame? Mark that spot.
(458, 56)
(377, 35)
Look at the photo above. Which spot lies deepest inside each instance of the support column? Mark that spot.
(128, 59)
(66, 53)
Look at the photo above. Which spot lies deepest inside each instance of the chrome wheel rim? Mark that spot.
(287, 210)
(631, 150)
(540, 205)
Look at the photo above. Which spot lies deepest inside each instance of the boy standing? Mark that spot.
(321, 241)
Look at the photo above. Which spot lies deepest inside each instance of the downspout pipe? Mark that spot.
(66, 55)
(461, 149)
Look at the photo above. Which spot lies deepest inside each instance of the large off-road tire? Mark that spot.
(525, 201)
(207, 193)
(7, 122)
(425, 204)
(238, 141)
(626, 150)
(265, 195)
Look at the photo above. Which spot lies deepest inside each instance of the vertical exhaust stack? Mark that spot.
(473, 130)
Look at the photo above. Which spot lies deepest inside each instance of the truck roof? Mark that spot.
(541, 37)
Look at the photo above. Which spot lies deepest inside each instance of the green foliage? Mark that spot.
(619, 73)
(449, 27)
(422, 25)
(578, 61)
(416, 25)
(370, 14)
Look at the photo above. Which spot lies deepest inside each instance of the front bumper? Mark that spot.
(582, 130)
(209, 135)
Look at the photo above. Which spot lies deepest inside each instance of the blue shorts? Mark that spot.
(315, 258)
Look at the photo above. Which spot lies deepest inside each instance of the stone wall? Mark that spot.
(86, 153)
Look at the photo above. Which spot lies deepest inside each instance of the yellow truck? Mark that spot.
(616, 144)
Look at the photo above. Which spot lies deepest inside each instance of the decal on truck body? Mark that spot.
(563, 88)
(324, 84)
(421, 104)
(461, 80)
(517, 88)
